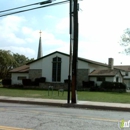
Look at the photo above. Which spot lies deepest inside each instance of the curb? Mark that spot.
(31, 102)
(85, 106)
(95, 107)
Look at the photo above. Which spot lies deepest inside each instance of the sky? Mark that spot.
(101, 25)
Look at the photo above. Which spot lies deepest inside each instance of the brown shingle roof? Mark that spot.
(21, 69)
(107, 72)
(123, 67)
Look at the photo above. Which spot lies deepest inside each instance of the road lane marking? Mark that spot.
(12, 128)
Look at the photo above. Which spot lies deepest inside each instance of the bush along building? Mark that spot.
(52, 69)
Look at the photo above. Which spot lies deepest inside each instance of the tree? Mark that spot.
(125, 41)
(7, 61)
(21, 59)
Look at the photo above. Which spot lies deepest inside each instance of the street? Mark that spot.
(36, 117)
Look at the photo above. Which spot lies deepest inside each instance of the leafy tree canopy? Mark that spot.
(125, 41)
(8, 61)
(21, 59)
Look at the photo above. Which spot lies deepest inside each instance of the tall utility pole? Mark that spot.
(75, 51)
(71, 43)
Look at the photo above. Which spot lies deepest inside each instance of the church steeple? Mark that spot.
(40, 47)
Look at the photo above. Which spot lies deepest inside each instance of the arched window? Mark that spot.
(56, 69)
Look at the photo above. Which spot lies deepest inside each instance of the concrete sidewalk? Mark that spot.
(63, 103)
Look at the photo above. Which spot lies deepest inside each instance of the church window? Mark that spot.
(126, 73)
(117, 79)
(101, 79)
(21, 77)
(56, 69)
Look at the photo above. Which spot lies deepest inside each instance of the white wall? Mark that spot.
(109, 79)
(126, 76)
(95, 80)
(91, 67)
(47, 64)
(82, 65)
(119, 76)
(37, 65)
(127, 82)
(95, 67)
(15, 77)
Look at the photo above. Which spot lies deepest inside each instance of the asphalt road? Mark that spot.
(14, 116)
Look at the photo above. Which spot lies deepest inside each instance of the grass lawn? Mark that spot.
(82, 95)
(105, 97)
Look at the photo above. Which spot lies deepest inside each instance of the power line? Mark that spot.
(38, 3)
(19, 7)
(33, 8)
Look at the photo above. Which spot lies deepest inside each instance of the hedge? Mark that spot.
(6, 82)
(88, 84)
(112, 85)
(28, 82)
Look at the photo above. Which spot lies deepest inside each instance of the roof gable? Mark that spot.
(47, 56)
(25, 68)
(79, 58)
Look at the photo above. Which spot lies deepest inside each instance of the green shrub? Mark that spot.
(66, 81)
(6, 82)
(88, 84)
(26, 82)
(112, 85)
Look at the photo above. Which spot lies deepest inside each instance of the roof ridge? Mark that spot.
(79, 58)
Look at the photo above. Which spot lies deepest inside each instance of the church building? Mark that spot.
(55, 68)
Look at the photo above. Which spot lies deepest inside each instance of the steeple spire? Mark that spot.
(40, 47)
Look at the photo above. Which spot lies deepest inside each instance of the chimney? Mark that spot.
(111, 63)
(40, 47)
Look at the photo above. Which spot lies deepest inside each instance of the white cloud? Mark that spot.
(63, 48)
(49, 17)
(63, 25)
(26, 31)
(103, 20)
(14, 35)
(11, 24)
(21, 50)
(13, 39)
(25, 36)
(101, 23)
